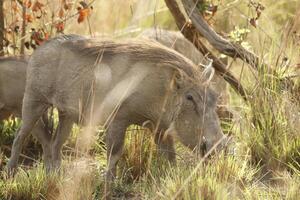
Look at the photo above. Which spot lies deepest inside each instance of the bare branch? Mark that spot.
(23, 34)
(192, 34)
(221, 44)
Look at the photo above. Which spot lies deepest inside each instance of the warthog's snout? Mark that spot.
(211, 147)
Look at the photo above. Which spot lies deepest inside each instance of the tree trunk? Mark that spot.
(22, 50)
(1, 29)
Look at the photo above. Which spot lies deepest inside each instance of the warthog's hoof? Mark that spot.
(11, 169)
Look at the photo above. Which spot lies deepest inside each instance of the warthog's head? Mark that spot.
(196, 123)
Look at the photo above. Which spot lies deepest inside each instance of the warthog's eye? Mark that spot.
(189, 97)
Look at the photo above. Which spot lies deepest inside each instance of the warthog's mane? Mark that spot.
(142, 50)
(136, 50)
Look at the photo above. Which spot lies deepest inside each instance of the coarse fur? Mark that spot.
(136, 50)
(116, 84)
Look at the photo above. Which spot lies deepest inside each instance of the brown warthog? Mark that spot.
(115, 84)
(12, 88)
(176, 41)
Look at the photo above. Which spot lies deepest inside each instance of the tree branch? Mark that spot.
(1, 29)
(23, 34)
(221, 44)
(192, 34)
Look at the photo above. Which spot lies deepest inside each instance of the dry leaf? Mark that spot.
(46, 36)
(38, 36)
(83, 13)
(213, 9)
(61, 13)
(27, 45)
(253, 22)
(14, 6)
(60, 27)
(83, 4)
(28, 18)
(28, 3)
(37, 6)
(67, 6)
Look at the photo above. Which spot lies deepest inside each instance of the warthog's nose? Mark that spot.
(209, 147)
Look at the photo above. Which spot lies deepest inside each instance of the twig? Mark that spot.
(23, 34)
(22, 155)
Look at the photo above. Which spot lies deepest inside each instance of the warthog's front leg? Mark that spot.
(115, 141)
(31, 112)
(4, 114)
(165, 146)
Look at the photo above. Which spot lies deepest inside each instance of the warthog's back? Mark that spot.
(12, 85)
(67, 70)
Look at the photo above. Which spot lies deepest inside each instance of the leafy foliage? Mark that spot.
(35, 14)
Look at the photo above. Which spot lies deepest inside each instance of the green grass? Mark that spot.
(141, 175)
(29, 184)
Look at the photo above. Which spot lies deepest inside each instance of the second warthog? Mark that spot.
(12, 85)
(116, 84)
(12, 88)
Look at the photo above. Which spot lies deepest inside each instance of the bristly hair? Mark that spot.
(136, 49)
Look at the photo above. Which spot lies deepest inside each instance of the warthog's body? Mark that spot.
(12, 88)
(115, 84)
(175, 40)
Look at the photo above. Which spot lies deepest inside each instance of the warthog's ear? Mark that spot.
(208, 73)
(171, 131)
(177, 80)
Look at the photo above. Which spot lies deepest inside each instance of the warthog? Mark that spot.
(116, 84)
(176, 41)
(12, 88)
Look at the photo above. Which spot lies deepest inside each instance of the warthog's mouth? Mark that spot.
(203, 149)
(223, 144)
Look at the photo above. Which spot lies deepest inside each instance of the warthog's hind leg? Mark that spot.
(31, 112)
(114, 141)
(62, 134)
(44, 137)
